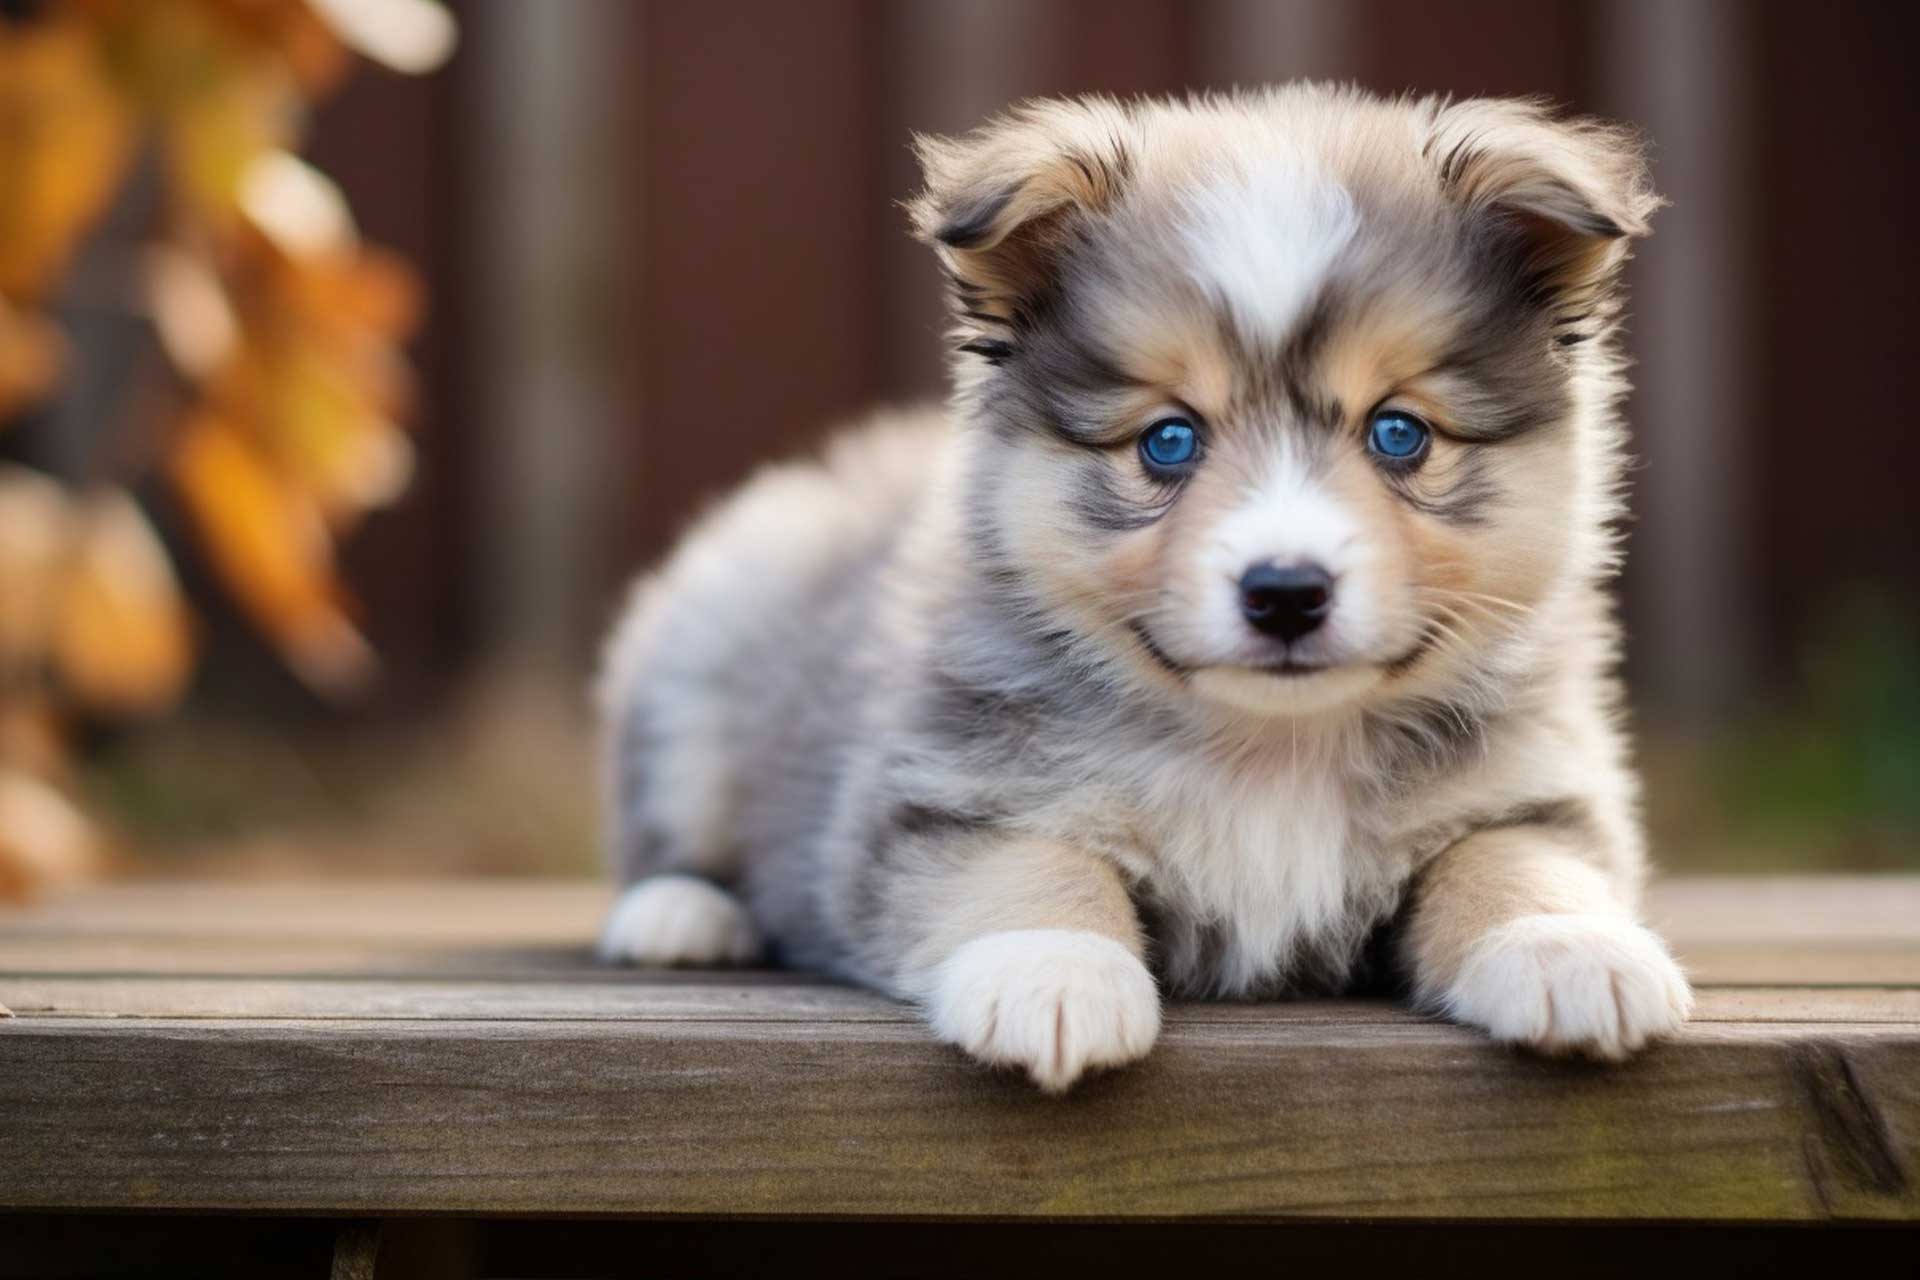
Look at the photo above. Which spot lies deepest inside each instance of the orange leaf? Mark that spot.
(32, 736)
(318, 417)
(190, 309)
(122, 641)
(219, 95)
(331, 440)
(290, 31)
(34, 523)
(300, 210)
(65, 136)
(412, 36)
(32, 353)
(213, 137)
(373, 290)
(270, 546)
(43, 839)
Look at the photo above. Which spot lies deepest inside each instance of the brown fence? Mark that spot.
(716, 184)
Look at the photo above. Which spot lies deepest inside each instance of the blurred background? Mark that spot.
(354, 353)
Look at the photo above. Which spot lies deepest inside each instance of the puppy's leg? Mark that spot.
(677, 920)
(1512, 931)
(1027, 954)
(670, 775)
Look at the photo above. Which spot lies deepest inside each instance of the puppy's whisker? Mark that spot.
(1444, 625)
(1467, 611)
(1474, 597)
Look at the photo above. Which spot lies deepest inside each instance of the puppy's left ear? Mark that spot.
(1002, 203)
(1572, 192)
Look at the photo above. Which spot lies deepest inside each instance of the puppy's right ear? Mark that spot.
(1001, 202)
(1569, 193)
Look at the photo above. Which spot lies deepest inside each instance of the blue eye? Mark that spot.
(1397, 436)
(1169, 443)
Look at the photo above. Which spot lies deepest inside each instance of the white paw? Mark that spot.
(1597, 985)
(678, 920)
(1053, 1002)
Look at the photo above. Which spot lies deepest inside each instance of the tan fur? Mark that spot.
(999, 886)
(969, 710)
(1487, 880)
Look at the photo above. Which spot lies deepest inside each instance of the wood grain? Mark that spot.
(1757, 962)
(755, 997)
(1768, 931)
(386, 1049)
(516, 911)
(1400, 1120)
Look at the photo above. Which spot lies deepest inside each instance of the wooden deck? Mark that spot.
(379, 1050)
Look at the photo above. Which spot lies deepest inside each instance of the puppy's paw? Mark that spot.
(1053, 1002)
(678, 920)
(1596, 985)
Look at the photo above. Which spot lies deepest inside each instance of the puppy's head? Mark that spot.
(1288, 401)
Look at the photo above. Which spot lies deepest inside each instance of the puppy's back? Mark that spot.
(726, 688)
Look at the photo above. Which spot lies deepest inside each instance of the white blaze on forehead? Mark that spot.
(1262, 238)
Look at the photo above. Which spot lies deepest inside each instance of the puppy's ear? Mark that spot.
(1572, 193)
(1002, 201)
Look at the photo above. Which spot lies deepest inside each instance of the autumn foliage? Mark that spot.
(280, 426)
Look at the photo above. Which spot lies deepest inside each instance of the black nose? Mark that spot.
(1286, 602)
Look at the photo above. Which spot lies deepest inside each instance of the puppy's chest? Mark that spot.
(1259, 882)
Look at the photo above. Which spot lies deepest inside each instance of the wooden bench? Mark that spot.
(445, 1058)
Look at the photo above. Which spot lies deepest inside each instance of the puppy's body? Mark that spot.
(990, 709)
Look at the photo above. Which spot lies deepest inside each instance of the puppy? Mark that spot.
(1239, 630)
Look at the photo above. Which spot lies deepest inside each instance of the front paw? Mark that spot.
(674, 920)
(1596, 985)
(1053, 1002)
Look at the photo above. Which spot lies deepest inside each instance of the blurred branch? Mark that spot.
(282, 330)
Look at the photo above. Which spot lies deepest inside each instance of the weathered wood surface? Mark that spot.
(395, 1048)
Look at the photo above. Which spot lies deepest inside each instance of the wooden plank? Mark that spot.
(1757, 963)
(452, 1048)
(754, 997)
(1900, 1005)
(1716, 909)
(610, 995)
(1771, 931)
(489, 912)
(1722, 909)
(1405, 1119)
(267, 957)
(1826, 962)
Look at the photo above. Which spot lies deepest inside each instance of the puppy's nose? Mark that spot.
(1288, 601)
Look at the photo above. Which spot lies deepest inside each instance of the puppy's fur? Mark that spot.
(968, 710)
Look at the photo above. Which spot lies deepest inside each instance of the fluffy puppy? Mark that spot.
(1239, 629)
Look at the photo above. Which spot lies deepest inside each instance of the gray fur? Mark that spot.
(867, 674)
